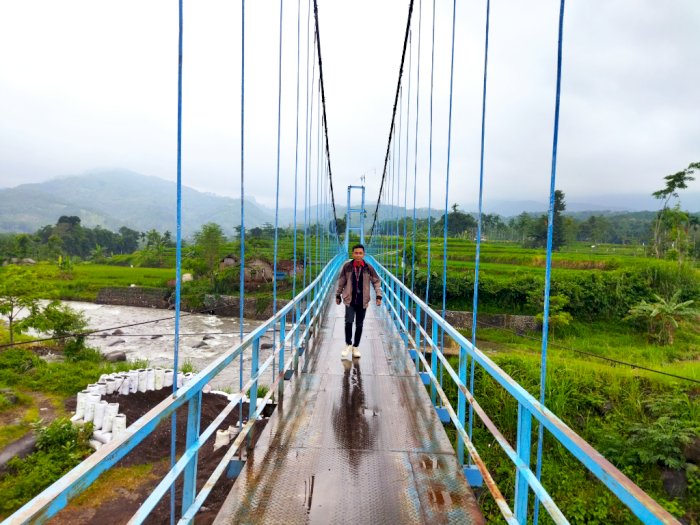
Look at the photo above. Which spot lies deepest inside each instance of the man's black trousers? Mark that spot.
(357, 314)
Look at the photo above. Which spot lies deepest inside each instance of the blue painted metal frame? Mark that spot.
(54, 498)
(529, 408)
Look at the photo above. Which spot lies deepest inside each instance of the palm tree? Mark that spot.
(663, 316)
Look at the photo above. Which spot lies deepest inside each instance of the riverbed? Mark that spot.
(203, 338)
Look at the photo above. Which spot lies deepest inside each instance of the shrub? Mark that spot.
(60, 447)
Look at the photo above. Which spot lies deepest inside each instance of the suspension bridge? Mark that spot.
(361, 440)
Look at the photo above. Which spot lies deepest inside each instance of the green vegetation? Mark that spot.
(17, 413)
(188, 367)
(662, 316)
(598, 283)
(69, 238)
(672, 225)
(262, 391)
(639, 421)
(60, 447)
(21, 369)
(87, 279)
(19, 293)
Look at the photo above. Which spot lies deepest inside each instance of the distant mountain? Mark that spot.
(116, 198)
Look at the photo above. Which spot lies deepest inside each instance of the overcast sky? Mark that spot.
(88, 84)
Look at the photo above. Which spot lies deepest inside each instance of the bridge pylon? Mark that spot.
(355, 211)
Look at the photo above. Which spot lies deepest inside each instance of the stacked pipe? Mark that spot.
(107, 422)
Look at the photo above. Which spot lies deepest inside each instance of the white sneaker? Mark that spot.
(355, 351)
(345, 354)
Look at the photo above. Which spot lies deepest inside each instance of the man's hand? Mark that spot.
(337, 299)
(379, 301)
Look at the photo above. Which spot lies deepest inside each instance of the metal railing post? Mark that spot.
(524, 441)
(407, 309)
(417, 336)
(194, 410)
(434, 349)
(462, 401)
(253, 395)
(283, 323)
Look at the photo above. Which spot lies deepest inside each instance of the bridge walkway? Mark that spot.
(353, 442)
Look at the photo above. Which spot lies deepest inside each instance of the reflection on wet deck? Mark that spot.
(353, 442)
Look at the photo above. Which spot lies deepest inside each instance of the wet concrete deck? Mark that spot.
(353, 442)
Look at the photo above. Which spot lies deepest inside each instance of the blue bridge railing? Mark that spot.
(304, 311)
(422, 330)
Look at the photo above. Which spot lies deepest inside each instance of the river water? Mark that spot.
(154, 341)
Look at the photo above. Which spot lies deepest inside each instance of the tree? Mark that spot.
(155, 243)
(676, 181)
(342, 224)
(662, 316)
(19, 292)
(23, 243)
(522, 225)
(457, 223)
(62, 322)
(129, 239)
(538, 230)
(209, 242)
(98, 254)
(558, 316)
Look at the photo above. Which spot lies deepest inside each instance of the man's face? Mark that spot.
(358, 254)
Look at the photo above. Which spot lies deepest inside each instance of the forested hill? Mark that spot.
(112, 199)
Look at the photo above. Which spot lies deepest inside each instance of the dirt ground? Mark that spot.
(116, 503)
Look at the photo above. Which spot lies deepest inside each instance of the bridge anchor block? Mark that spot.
(473, 475)
(235, 467)
(443, 414)
(424, 377)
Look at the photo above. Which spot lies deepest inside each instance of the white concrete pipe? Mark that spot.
(223, 438)
(143, 377)
(80, 404)
(111, 383)
(99, 415)
(118, 425)
(180, 379)
(160, 378)
(168, 379)
(90, 403)
(102, 388)
(93, 388)
(150, 379)
(102, 436)
(110, 413)
(125, 386)
(133, 381)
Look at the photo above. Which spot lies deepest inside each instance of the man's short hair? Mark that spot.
(358, 246)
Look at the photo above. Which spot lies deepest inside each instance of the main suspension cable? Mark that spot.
(325, 118)
(393, 115)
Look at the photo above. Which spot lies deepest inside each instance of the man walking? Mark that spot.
(353, 290)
